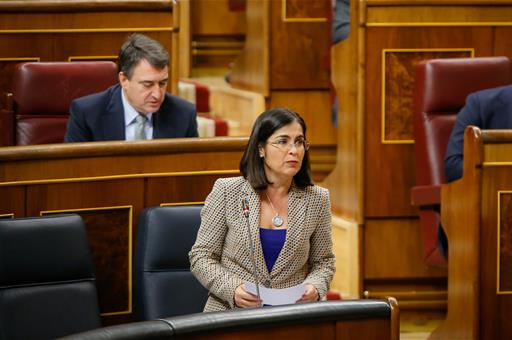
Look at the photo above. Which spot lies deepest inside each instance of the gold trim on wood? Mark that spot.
(92, 57)
(37, 59)
(383, 85)
(436, 24)
(113, 177)
(90, 30)
(491, 164)
(413, 300)
(498, 247)
(130, 242)
(11, 215)
(408, 295)
(284, 18)
(181, 203)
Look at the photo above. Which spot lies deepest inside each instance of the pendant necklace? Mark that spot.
(277, 220)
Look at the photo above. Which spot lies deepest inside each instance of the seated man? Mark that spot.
(486, 109)
(139, 106)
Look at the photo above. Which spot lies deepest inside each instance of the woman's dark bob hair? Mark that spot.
(252, 166)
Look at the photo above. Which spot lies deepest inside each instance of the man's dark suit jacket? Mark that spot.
(487, 109)
(100, 117)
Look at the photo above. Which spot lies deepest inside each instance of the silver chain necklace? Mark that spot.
(277, 220)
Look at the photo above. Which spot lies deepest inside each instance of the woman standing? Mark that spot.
(288, 220)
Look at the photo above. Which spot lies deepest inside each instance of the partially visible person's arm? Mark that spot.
(321, 257)
(454, 159)
(192, 128)
(77, 130)
(207, 251)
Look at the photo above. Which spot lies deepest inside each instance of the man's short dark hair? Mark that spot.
(138, 47)
(252, 166)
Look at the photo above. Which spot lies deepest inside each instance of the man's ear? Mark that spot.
(123, 79)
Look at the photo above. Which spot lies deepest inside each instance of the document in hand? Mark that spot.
(274, 297)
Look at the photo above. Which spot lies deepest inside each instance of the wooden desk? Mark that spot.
(108, 184)
(373, 73)
(56, 30)
(476, 213)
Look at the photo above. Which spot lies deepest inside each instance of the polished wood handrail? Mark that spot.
(21, 6)
(496, 136)
(79, 150)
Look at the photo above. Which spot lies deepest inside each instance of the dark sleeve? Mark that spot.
(192, 127)
(454, 159)
(77, 130)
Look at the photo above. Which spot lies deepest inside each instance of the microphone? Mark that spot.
(245, 210)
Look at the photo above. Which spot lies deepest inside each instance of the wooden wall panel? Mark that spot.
(215, 18)
(360, 329)
(389, 172)
(217, 33)
(12, 201)
(398, 67)
(251, 69)
(495, 270)
(393, 250)
(502, 42)
(300, 45)
(314, 107)
(58, 31)
(173, 190)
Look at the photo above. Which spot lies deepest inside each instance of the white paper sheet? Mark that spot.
(274, 296)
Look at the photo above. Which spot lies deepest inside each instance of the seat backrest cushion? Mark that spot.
(43, 92)
(163, 283)
(441, 88)
(40, 129)
(47, 284)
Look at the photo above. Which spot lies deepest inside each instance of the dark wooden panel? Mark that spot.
(108, 208)
(364, 329)
(389, 170)
(496, 277)
(12, 201)
(319, 330)
(178, 189)
(109, 233)
(399, 73)
(300, 50)
(505, 243)
(304, 9)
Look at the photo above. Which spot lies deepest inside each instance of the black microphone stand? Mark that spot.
(255, 272)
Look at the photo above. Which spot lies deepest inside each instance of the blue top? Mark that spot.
(272, 241)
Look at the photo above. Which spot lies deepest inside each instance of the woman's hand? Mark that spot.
(244, 299)
(310, 294)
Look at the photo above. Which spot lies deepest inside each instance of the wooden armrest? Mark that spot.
(426, 195)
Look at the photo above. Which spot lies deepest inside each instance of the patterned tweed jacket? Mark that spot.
(221, 256)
